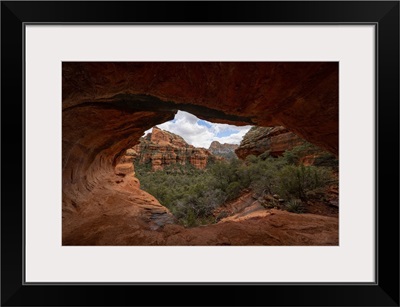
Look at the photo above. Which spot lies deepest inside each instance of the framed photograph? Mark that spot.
(200, 153)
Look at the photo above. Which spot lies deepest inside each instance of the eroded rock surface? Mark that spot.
(272, 227)
(225, 150)
(106, 107)
(162, 148)
(274, 140)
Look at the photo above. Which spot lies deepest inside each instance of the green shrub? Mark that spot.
(295, 206)
(294, 155)
(233, 190)
(192, 195)
(298, 181)
(323, 158)
(264, 155)
(251, 159)
(327, 160)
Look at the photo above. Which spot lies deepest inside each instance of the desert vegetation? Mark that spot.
(193, 195)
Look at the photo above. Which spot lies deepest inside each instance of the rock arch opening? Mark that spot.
(192, 167)
(177, 163)
(107, 107)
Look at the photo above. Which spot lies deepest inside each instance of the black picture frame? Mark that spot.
(383, 14)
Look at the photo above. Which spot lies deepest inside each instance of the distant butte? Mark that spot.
(162, 148)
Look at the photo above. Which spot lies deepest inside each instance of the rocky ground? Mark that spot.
(127, 215)
(259, 227)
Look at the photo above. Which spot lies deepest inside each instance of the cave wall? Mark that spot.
(106, 107)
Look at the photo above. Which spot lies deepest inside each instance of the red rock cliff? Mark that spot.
(275, 140)
(223, 150)
(162, 148)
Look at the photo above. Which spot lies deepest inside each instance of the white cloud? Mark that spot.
(201, 133)
(234, 138)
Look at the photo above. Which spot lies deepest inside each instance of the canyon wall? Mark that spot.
(225, 150)
(162, 148)
(106, 107)
(275, 140)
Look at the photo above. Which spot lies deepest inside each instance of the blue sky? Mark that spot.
(201, 133)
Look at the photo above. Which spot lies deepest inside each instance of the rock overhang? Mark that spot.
(108, 106)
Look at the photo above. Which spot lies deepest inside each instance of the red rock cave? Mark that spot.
(106, 107)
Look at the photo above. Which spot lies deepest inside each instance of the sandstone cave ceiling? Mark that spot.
(106, 107)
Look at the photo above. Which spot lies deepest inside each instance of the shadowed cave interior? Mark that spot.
(108, 106)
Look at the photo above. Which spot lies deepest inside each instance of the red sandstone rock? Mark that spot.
(223, 150)
(162, 148)
(106, 107)
(300, 96)
(273, 227)
(308, 160)
(275, 140)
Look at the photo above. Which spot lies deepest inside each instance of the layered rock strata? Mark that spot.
(106, 107)
(162, 148)
(225, 150)
(274, 140)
